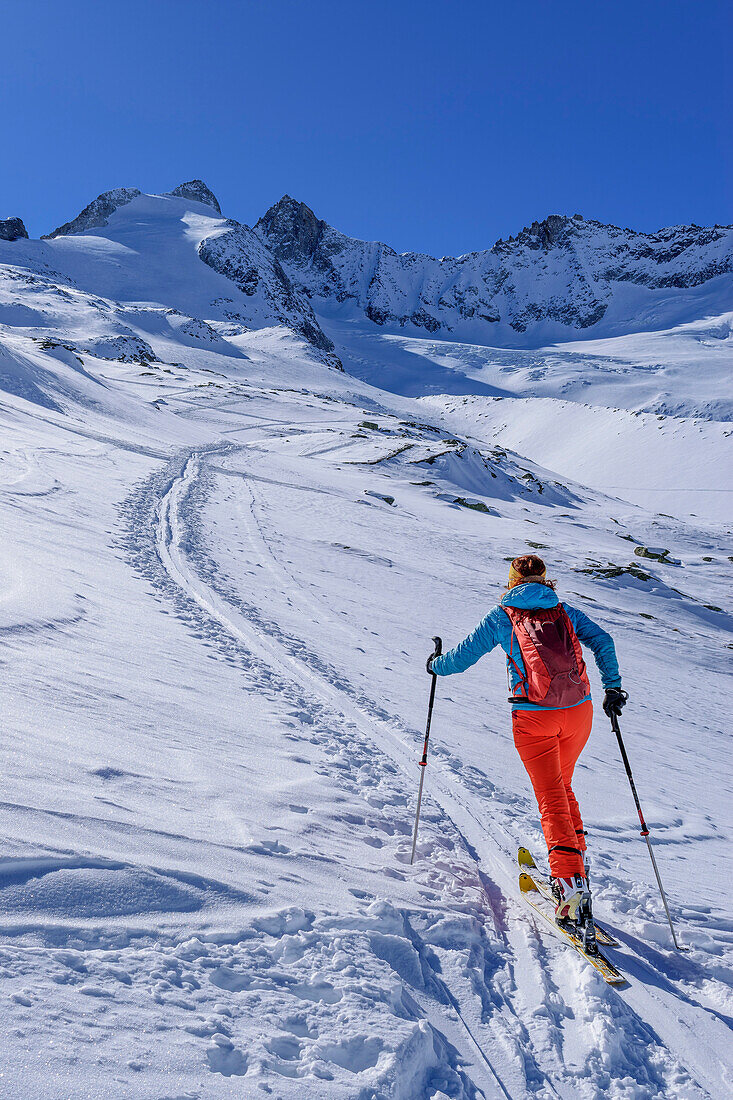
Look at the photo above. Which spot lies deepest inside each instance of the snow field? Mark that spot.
(221, 569)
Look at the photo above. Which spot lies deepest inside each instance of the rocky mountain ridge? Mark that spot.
(566, 271)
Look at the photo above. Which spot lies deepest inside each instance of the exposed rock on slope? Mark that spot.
(198, 191)
(97, 213)
(564, 272)
(240, 255)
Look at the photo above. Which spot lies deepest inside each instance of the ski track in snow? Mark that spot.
(293, 681)
(466, 996)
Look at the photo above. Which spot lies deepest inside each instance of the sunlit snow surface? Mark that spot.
(221, 566)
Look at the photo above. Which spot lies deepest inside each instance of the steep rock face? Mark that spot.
(240, 255)
(293, 231)
(198, 191)
(562, 270)
(97, 213)
(12, 229)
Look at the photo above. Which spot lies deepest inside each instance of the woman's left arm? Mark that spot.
(479, 642)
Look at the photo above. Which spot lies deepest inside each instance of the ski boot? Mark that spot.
(574, 911)
(569, 894)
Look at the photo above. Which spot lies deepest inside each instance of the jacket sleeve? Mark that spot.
(480, 641)
(600, 643)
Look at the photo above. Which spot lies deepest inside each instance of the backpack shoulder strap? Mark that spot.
(522, 686)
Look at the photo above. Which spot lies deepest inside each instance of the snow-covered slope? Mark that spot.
(668, 464)
(221, 565)
(685, 371)
(558, 279)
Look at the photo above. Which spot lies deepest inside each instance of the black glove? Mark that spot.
(614, 701)
(436, 653)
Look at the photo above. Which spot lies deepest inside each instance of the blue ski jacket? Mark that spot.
(496, 629)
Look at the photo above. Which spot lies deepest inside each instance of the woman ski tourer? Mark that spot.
(552, 710)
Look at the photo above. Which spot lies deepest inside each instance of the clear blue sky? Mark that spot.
(434, 126)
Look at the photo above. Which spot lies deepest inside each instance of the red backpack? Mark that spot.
(554, 670)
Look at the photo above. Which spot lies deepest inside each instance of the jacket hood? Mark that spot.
(530, 596)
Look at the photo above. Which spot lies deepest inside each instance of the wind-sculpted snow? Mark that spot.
(557, 278)
(628, 453)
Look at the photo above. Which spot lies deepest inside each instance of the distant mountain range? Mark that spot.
(562, 278)
(557, 277)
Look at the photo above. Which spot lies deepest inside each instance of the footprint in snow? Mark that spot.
(316, 991)
(223, 1057)
(299, 1025)
(286, 1047)
(355, 1055)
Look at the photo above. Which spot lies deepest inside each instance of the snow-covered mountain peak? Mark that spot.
(97, 213)
(128, 256)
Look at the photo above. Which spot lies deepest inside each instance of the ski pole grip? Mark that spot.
(438, 643)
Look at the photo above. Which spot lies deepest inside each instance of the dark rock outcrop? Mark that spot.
(97, 213)
(293, 230)
(198, 191)
(12, 229)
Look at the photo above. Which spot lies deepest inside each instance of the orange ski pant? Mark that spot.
(549, 743)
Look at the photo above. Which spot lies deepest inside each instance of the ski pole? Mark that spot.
(424, 761)
(644, 826)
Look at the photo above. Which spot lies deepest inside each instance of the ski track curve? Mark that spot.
(166, 515)
(172, 538)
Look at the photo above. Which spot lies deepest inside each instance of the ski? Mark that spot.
(534, 896)
(526, 861)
